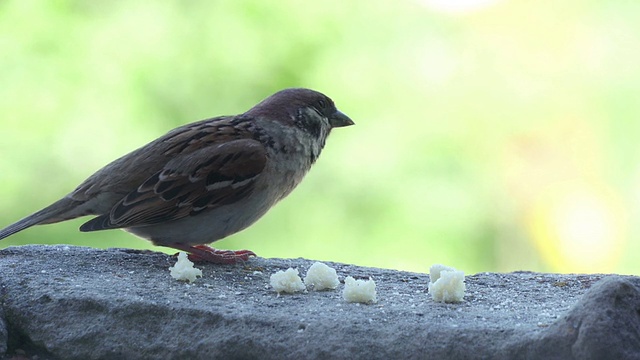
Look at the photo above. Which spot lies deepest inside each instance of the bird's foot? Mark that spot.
(206, 253)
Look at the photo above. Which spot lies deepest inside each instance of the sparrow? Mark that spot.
(204, 181)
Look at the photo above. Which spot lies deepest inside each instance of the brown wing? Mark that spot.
(189, 184)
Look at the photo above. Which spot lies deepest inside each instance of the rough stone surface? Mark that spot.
(64, 302)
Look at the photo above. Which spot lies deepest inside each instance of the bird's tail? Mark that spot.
(59, 211)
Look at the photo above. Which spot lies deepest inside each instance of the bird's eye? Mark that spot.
(322, 103)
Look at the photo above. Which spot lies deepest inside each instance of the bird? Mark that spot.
(206, 180)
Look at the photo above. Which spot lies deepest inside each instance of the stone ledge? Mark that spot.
(65, 302)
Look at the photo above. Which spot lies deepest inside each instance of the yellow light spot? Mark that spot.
(579, 227)
(458, 6)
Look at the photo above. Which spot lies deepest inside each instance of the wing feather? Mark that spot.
(216, 175)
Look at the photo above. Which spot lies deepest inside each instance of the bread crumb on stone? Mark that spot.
(287, 281)
(183, 270)
(321, 277)
(446, 284)
(359, 291)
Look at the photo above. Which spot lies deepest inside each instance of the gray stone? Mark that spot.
(65, 302)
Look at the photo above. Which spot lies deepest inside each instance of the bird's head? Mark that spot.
(309, 110)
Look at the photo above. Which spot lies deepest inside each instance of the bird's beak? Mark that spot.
(338, 119)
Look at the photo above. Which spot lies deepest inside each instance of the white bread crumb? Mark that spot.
(321, 277)
(360, 291)
(287, 281)
(446, 284)
(183, 270)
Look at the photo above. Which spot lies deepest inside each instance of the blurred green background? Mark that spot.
(490, 135)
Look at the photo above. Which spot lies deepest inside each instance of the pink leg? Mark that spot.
(209, 254)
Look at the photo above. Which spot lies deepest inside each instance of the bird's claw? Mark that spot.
(205, 253)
